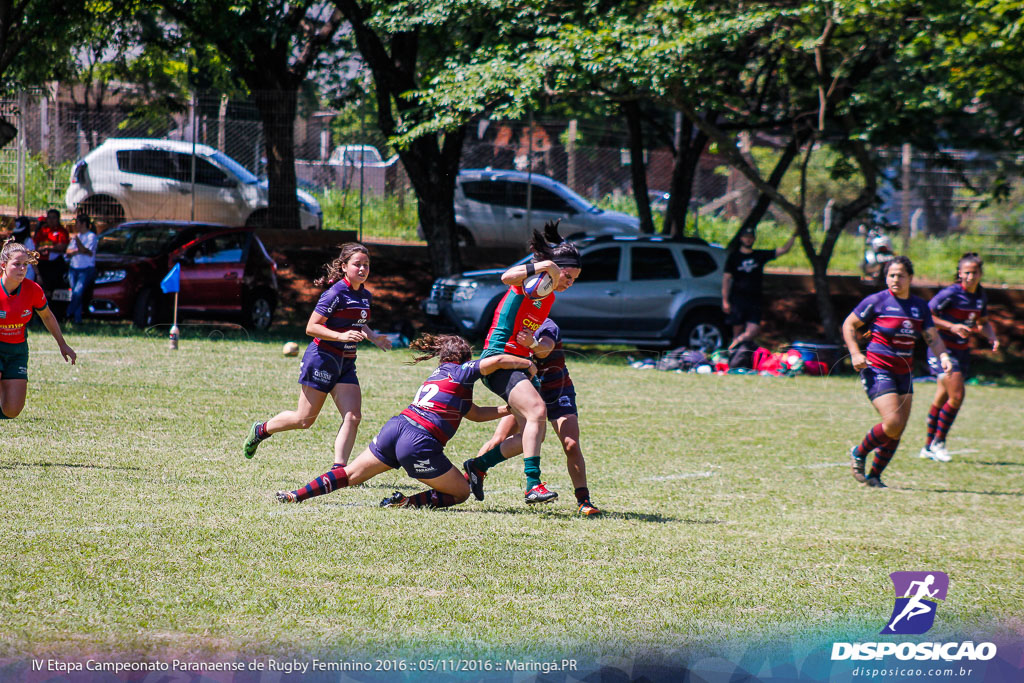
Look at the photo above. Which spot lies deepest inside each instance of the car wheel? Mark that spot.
(704, 334)
(259, 311)
(463, 238)
(147, 309)
(104, 209)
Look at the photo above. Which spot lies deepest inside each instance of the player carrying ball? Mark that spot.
(415, 439)
(896, 319)
(959, 310)
(517, 312)
(559, 394)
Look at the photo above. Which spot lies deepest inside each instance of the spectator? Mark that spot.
(81, 255)
(52, 237)
(22, 234)
(741, 285)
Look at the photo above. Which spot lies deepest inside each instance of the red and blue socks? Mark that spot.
(931, 424)
(261, 432)
(882, 457)
(337, 478)
(582, 495)
(430, 499)
(945, 421)
(874, 438)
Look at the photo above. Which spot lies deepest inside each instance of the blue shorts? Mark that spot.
(322, 370)
(961, 362)
(880, 382)
(403, 443)
(560, 402)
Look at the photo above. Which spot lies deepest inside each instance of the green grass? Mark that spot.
(133, 524)
(389, 217)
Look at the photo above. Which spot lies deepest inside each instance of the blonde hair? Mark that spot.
(11, 248)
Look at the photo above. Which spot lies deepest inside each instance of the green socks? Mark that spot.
(531, 466)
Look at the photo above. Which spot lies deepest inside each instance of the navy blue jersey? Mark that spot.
(895, 326)
(956, 305)
(345, 309)
(444, 399)
(551, 370)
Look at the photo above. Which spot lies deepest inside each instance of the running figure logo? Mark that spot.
(917, 594)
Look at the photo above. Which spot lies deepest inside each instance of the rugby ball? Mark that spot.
(290, 349)
(538, 285)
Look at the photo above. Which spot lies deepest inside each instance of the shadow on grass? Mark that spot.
(566, 513)
(995, 464)
(14, 465)
(1017, 494)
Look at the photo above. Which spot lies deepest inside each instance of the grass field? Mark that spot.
(133, 524)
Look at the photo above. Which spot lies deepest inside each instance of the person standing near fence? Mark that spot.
(958, 310)
(742, 284)
(81, 256)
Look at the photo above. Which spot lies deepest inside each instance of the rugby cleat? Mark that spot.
(939, 452)
(588, 509)
(252, 443)
(875, 482)
(287, 497)
(857, 465)
(926, 453)
(395, 500)
(540, 494)
(475, 478)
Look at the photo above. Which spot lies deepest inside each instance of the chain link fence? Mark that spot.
(362, 187)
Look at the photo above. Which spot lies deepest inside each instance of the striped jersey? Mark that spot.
(956, 305)
(16, 310)
(551, 370)
(515, 312)
(444, 398)
(895, 325)
(345, 309)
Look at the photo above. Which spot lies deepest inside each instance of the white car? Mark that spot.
(145, 179)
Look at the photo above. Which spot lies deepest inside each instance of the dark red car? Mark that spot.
(226, 273)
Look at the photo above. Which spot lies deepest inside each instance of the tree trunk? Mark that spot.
(684, 173)
(277, 112)
(764, 202)
(637, 167)
(432, 173)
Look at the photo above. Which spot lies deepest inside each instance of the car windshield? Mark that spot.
(243, 174)
(579, 201)
(139, 240)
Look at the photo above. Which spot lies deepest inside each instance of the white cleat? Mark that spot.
(925, 453)
(939, 452)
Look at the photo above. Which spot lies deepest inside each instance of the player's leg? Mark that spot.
(364, 467)
(422, 456)
(451, 488)
(12, 397)
(568, 429)
(894, 409)
(932, 421)
(311, 400)
(955, 390)
(349, 400)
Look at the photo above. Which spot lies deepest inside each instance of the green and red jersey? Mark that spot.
(16, 310)
(515, 312)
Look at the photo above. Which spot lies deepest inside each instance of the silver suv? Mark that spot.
(644, 290)
(491, 209)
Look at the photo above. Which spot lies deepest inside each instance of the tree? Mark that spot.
(272, 45)
(30, 40)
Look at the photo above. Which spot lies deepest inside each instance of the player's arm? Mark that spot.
(985, 325)
(506, 361)
(541, 347)
(517, 274)
(850, 327)
(317, 328)
(487, 413)
(726, 288)
(784, 249)
(379, 340)
(959, 329)
(934, 342)
(50, 321)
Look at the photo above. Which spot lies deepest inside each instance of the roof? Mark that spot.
(155, 143)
